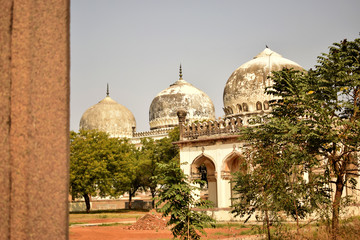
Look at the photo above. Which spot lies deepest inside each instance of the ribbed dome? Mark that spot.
(244, 90)
(109, 116)
(181, 94)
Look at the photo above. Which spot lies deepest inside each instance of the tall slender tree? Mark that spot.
(335, 116)
(277, 159)
(314, 125)
(177, 199)
(154, 152)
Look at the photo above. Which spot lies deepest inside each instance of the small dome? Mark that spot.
(181, 94)
(109, 116)
(244, 91)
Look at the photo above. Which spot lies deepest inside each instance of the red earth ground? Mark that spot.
(149, 226)
(120, 232)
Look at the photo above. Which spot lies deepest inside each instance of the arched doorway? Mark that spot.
(204, 168)
(234, 162)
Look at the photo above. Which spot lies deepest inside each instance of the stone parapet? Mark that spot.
(210, 128)
(157, 132)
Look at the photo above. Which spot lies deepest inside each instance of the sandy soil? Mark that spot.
(116, 232)
(150, 226)
(121, 232)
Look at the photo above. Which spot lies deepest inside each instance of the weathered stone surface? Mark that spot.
(34, 126)
(180, 95)
(109, 116)
(244, 90)
(5, 86)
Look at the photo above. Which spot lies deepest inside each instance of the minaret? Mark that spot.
(180, 73)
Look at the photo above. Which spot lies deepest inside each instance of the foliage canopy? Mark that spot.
(177, 195)
(313, 129)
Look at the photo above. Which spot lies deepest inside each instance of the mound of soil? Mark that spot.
(150, 221)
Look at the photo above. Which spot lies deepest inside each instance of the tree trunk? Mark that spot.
(87, 202)
(297, 217)
(336, 207)
(130, 197)
(153, 198)
(267, 224)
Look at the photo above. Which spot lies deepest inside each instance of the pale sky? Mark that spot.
(137, 45)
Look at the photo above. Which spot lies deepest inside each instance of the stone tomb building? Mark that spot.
(213, 146)
(209, 148)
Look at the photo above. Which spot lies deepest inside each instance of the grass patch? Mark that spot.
(109, 224)
(348, 229)
(85, 217)
(231, 224)
(111, 211)
(251, 231)
(222, 234)
(102, 225)
(74, 223)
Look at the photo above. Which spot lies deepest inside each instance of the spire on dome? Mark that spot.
(107, 89)
(180, 73)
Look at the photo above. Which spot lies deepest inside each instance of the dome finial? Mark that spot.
(180, 73)
(107, 89)
(266, 46)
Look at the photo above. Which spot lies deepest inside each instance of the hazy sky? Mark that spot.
(137, 46)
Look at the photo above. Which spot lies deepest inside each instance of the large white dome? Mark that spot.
(181, 94)
(244, 91)
(109, 116)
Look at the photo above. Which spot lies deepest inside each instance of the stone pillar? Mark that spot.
(181, 113)
(34, 125)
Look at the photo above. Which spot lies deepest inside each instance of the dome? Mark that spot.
(181, 94)
(109, 116)
(244, 91)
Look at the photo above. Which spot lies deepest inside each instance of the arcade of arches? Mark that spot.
(214, 162)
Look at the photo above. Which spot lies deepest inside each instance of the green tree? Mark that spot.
(88, 165)
(334, 115)
(275, 182)
(126, 169)
(99, 165)
(134, 171)
(316, 117)
(155, 152)
(328, 105)
(177, 197)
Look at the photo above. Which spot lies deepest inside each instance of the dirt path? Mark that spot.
(116, 232)
(121, 232)
(149, 226)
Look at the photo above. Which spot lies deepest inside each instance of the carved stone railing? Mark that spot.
(210, 177)
(152, 133)
(209, 128)
(226, 175)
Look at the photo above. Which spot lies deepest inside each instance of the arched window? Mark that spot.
(245, 107)
(239, 107)
(203, 174)
(266, 105)
(204, 168)
(258, 106)
(230, 110)
(225, 111)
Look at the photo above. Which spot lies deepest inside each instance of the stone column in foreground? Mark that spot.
(34, 113)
